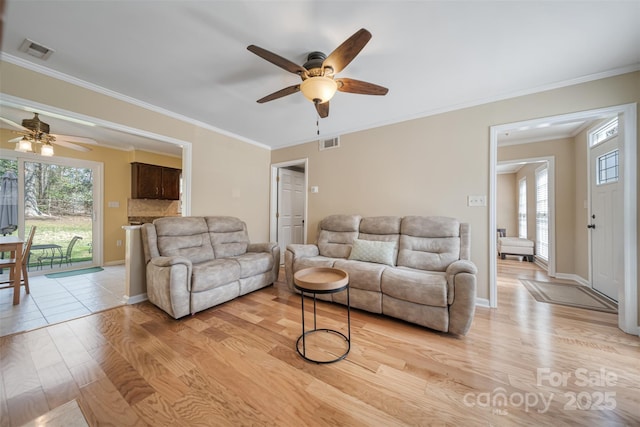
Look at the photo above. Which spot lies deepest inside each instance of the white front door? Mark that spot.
(290, 208)
(606, 220)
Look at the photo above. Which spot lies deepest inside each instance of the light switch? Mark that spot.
(314, 189)
(476, 201)
(113, 204)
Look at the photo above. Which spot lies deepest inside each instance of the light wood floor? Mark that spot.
(236, 365)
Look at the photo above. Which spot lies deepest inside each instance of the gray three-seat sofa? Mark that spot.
(414, 268)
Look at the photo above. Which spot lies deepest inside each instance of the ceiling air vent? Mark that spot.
(326, 144)
(35, 49)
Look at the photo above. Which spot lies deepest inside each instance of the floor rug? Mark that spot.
(570, 295)
(73, 272)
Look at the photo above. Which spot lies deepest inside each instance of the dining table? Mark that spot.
(14, 245)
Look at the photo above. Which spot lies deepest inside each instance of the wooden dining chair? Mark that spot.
(11, 263)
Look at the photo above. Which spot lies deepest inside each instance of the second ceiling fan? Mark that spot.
(319, 83)
(36, 131)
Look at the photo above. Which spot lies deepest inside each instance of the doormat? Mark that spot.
(569, 295)
(73, 272)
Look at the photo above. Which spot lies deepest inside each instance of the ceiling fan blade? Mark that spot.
(14, 124)
(363, 88)
(323, 109)
(71, 138)
(344, 54)
(277, 60)
(70, 145)
(279, 94)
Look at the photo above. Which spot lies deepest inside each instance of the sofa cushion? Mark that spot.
(254, 263)
(429, 243)
(420, 287)
(213, 274)
(184, 236)
(228, 236)
(337, 233)
(362, 275)
(373, 251)
(315, 261)
(380, 225)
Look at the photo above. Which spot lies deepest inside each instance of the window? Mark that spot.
(522, 208)
(609, 130)
(608, 168)
(542, 214)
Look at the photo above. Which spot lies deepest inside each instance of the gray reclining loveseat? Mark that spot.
(194, 263)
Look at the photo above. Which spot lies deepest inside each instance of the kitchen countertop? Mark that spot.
(137, 220)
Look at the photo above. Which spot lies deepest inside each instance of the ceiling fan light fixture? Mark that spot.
(24, 145)
(46, 149)
(319, 89)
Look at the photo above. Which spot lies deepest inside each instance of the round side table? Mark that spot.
(322, 280)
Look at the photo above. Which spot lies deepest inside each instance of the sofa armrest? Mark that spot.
(461, 266)
(261, 247)
(169, 284)
(271, 248)
(461, 295)
(168, 261)
(303, 251)
(293, 253)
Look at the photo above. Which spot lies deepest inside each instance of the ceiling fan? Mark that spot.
(319, 83)
(35, 130)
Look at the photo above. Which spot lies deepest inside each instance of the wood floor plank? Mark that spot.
(236, 364)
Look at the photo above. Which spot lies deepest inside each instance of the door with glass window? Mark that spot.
(57, 197)
(605, 221)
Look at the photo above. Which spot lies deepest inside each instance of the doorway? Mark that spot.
(628, 290)
(288, 217)
(606, 179)
(61, 197)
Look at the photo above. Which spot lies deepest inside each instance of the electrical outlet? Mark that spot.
(118, 242)
(476, 201)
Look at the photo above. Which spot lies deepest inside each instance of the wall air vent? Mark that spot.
(35, 49)
(326, 144)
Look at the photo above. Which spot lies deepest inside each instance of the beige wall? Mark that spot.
(507, 203)
(429, 166)
(228, 176)
(563, 152)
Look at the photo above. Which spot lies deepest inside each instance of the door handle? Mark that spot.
(593, 226)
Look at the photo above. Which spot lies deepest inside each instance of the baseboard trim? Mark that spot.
(569, 276)
(112, 263)
(483, 302)
(135, 299)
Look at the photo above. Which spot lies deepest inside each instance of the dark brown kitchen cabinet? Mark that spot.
(154, 182)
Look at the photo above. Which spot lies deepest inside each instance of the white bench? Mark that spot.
(515, 246)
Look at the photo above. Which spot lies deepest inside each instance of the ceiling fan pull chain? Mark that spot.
(317, 123)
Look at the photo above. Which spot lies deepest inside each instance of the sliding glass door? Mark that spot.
(57, 196)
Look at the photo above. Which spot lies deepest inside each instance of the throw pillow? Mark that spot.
(374, 251)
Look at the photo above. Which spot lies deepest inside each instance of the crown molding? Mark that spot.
(12, 59)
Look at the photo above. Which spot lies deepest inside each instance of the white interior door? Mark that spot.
(297, 207)
(605, 221)
(290, 208)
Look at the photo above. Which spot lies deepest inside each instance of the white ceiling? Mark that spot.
(189, 57)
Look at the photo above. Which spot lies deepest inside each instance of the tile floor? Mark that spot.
(57, 300)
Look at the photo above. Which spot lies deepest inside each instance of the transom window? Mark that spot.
(609, 130)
